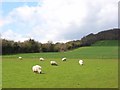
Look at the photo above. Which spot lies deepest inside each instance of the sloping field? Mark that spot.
(96, 52)
(100, 69)
(106, 43)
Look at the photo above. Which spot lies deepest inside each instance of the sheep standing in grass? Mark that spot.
(37, 69)
(81, 62)
(41, 59)
(63, 59)
(20, 58)
(53, 63)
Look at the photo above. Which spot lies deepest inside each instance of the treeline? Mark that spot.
(32, 46)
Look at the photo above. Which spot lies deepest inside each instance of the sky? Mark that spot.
(56, 20)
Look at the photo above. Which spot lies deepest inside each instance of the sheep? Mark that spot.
(53, 63)
(81, 62)
(37, 69)
(20, 58)
(63, 59)
(41, 59)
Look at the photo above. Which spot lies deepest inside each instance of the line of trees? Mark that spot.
(32, 46)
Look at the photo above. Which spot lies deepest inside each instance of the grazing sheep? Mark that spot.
(63, 59)
(41, 59)
(81, 62)
(37, 69)
(53, 63)
(20, 58)
(40, 71)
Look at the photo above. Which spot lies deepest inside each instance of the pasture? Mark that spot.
(100, 69)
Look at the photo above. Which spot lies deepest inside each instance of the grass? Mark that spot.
(0, 72)
(106, 43)
(96, 52)
(95, 73)
(100, 69)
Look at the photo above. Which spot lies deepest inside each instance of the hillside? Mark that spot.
(100, 69)
(99, 50)
(106, 43)
(111, 34)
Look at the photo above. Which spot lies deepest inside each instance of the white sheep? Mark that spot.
(63, 59)
(20, 58)
(81, 62)
(37, 69)
(53, 63)
(41, 59)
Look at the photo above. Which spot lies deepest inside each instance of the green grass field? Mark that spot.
(0, 72)
(100, 69)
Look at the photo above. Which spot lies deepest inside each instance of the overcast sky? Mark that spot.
(56, 20)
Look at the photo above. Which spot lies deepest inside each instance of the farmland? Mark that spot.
(100, 69)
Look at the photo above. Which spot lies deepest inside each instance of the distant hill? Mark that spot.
(111, 34)
(106, 43)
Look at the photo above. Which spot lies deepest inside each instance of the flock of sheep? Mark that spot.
(37, 68)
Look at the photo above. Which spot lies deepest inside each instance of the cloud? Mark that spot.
(10, 35)
(1, 23)
(108, 14)
(62, 20)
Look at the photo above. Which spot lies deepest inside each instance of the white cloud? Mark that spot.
(63, 12)
(108, 14)
(63, 20)
(5, 21)
(10, 35)
(1, 23)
